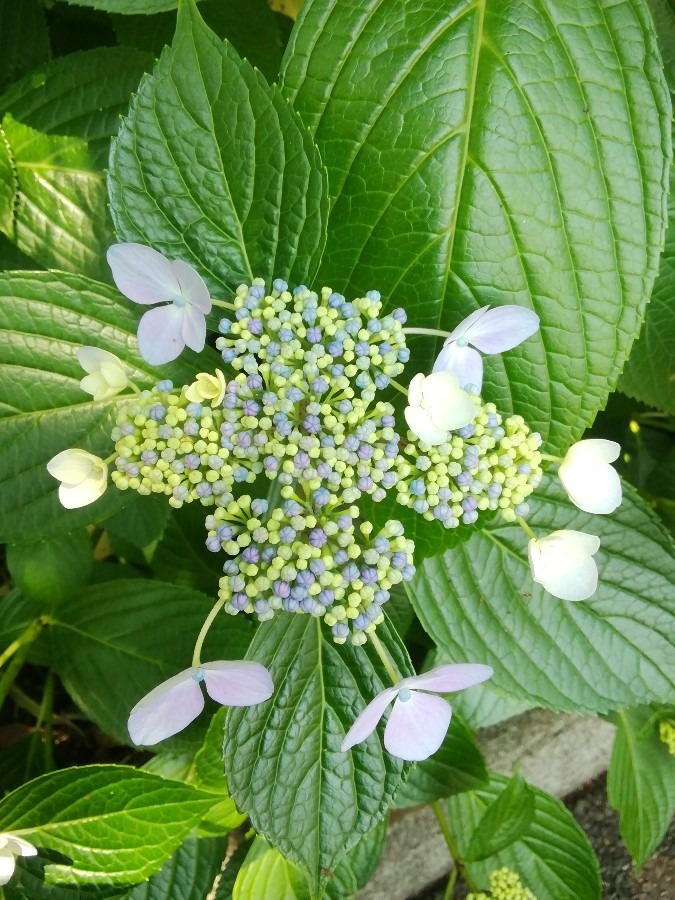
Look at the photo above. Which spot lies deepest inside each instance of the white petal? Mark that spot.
(366, 722)
(419, 422)
(417, 726)
(194, 328)
(415, 389)
(467, 324)
(448, 678)
(167, 709)
(19, 847)
(7, 865)
(142, 274)
(92, 358)
(192, 286)
(594, 450)
(75, 496)
(464, 362)
(240, 682)
(502, 328)
(160, 334)
(563, 564)
(448, 405)
(590, 481)
(72, 466)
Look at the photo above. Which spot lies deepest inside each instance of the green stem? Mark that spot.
(399, 387)
(13, 669)
(223, 305)
(384, 656)
(27, 637)
(48, 714)
(196, 656)
(432, 331)
(526, 528)
(458, 865)
(450, 887)
(548, 458)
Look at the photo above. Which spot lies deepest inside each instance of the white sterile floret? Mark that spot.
(83, 477)
(107, 374)
(10, 848)
(488, 330)
(591, 482)
(207, 387)
(438, 405)
(562, 562)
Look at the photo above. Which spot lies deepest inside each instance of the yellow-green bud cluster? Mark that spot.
(504, 885)
(167, 445)
(667, 735)
(487, 465)
(323, 565)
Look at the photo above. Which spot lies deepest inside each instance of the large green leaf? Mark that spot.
(81, 95)
(48, 571)
(495, 152)
(188, 875)
(641, 782)
(24, 38)
(44, 318)
(127, 7)
(59, 210)
(283, 759)
(112, 823)
(116, 641)
(553, 857)
(479, 604)
(504, 822)
(212, 166)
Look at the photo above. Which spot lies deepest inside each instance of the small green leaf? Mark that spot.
(505, 821)
(24, 39)
(282, 758)
(553, 858)
(116, 641)
(60, 212)
(208, 774)
(457, 766)
(641, 782)
(114, 824)
(51, 570)
(265, 873)
(478, 603)
(188, 875)
(212, 166)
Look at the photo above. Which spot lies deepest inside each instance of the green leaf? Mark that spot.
(283, 759)
(231, 870)
(504, 822)
(181, 556)
(80, 95)
(8, 187)
(208, 774)
(249, 25)
(188, 875)
(212, 166)
(142, 521)
(49, 571)
(641, 782)
(44, 318)
(114, 824)
(116, 641)
(265, 873)
(479, 604)
(663, 14)
(649, 375)
(359, 864)
(60, 216)
(480, 154)
(457, 766)
(127, 7)
(24, 39)
(553, 858)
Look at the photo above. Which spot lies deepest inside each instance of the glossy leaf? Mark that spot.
(212, 166)
(283, 759)
(188, 875)
(504, 822)
(479, 604)
(112, 823)
(490, 153)
(133, 635)
(44, 318)
(641, 782)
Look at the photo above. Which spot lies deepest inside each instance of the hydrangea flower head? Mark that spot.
(488, 330)
(419, 720)
(172, 705)
(145, 276)
(591, 482)
(562, 562)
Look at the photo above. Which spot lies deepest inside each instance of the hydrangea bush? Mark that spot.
(344, 463)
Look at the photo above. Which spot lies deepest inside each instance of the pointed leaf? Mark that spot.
(505, 821)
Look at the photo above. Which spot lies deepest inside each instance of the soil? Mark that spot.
(656, 880)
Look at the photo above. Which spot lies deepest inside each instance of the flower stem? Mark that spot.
(450, 887)
(223, 304)
(16, 654)
(197, 654)
(526, 528)
(399, 387)
(26, 638)
(433, 331)
(384, 656)
(548, 458)
(458, 865)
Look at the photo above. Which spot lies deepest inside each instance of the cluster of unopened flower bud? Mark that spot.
(488, 464)
(167, 445)
(667, 734)
(320, 345)
(504, 885)
(319, 563)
